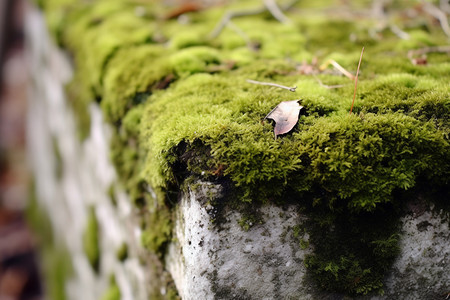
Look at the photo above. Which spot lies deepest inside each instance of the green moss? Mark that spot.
(112, 195)
(304, 244)
(158, 231)
(193, 60)
(56, 262)
(58, 159)
(417, 39)
(56, 12)
(133, 71)
(97, 30)
(358, 157)
(352, 252)
(126, 157)
(248, 221)
(322, 32)
(122, 252)
(91, 240)
(172, 294)
(57, 271)
(285, 40)
(104, 28)
(186, 37)
(113, 291)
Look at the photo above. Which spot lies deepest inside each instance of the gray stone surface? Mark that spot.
(422, 268)
(224, 261)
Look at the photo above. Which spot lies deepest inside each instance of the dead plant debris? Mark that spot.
(285, 116)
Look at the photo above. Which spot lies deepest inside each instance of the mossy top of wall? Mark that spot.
(165, 82)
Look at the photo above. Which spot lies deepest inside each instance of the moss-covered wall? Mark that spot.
(56, 263)
(181, 106)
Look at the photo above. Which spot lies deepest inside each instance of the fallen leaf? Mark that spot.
(285, 116)
(184, 8)
(419, 61)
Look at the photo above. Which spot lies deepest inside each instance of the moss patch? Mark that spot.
(352, 252)
(158, 231)
(181, 107)
(56, 261)
(113, 291)
(362, 158)
(122, 252)
(91, 240)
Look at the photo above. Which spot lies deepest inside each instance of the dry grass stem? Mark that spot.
(338, 67)
(356, 80)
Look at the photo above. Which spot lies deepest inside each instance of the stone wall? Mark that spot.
(71, 177)
(216, 251)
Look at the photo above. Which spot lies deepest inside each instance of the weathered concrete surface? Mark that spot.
(224, 261)
(421, 270)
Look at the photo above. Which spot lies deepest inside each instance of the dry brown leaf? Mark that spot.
(285, 116)
(184, 8)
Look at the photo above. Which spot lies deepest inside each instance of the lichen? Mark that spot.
(181, 108)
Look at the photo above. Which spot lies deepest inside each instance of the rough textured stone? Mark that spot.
(224, 261)
(420, 272)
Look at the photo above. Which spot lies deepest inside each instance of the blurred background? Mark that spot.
(19, 271)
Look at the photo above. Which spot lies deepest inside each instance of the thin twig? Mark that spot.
(270, 5)
(356, 80)
(336, 86)
(276, 12)
(240, 32)
(398, 32)
(379, 14)
(233, 14)
(292, 89)
(438, 14)
(445, 7)
(419, 56)
(425, 50)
